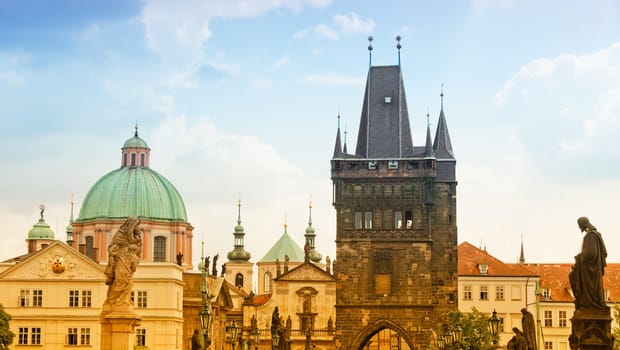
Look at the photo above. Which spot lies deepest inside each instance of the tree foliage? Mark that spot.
(615, 331)
(474, 325)
(6, 336)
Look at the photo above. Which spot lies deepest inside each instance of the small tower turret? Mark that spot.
(315, 256)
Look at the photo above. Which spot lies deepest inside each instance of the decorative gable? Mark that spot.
(306, 272)
(56, 262)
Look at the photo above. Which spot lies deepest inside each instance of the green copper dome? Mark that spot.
(135, 142)
(133, 191)
(41, 230)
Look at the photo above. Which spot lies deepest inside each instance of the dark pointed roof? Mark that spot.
(442, 145)
(428, 149)
(384, 130)
(338, 146)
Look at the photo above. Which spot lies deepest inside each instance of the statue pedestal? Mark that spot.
(117, 327)
(591, 329)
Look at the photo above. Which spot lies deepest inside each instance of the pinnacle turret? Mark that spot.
(239, 253)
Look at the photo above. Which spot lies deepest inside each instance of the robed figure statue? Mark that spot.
(123, 258)
(586, 278)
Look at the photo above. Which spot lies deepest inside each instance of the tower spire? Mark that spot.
(370, 51)
(398, 46)
(442, 144)
(344, 148)
(310, 236)
(239, 253)
(522, 255)
(428, 149)
(338, 145)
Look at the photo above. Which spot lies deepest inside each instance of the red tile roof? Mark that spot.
(470, 257)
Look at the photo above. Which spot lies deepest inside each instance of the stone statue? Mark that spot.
(529, 329)
(289, 323)
(330, 324)
(518, 341)
(278, 272)
(586, 278)
(275, 320)
(207, 263)
(214, 272)
(254, 324)
(307, 249)
(123, 258)
(328, 263)
(223, 269)
(196, 341)
(286, 260)
(180, 259)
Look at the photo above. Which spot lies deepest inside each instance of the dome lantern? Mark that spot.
(135, 152)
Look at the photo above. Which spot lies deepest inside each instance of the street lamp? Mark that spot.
(256, 338)
(494, 326)
(275, 339)
(233, 333)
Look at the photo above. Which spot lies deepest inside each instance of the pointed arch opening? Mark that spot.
(383, 335)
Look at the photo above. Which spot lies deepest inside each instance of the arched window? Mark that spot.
(90, 246)
(133, 159)
(124, 159)
(239, 280)
(267, 281)
(159, 249)
(142, 159)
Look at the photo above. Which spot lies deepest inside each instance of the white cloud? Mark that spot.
(261, 83)
(12, 71)
(281, 62)
(334, 79)
(568, 111)
(346, 24)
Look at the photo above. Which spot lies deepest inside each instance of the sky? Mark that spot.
(240, 98)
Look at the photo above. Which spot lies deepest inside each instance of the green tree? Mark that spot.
(615, 331)
(6, 336)
(474, 326)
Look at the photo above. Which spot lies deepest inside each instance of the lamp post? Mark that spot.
(233, 334)
(275, 339)
(256, 338)
(494, 326)
(205, 312)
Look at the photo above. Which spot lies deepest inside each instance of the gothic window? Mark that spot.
(239, 280)
(398, 219)
(368, 220)
(383, 272)
(267, 282)
(159, 249)
(358, 220)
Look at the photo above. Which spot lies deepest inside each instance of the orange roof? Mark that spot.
(555, 277)
(470, 257)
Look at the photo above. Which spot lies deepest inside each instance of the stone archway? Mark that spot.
(366, 334)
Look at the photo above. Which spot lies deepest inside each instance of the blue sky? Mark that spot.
(242, 97)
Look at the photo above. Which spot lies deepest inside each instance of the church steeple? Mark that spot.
(239, 253)
(522, 255)
(310, 237)
(428, 148)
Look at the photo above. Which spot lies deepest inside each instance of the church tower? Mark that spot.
(396, 235)
(238, 267)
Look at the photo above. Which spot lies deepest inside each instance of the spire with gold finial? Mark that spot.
(311, 236)
(239, 253)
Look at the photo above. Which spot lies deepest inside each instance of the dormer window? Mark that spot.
(484, 268)
(546, 293)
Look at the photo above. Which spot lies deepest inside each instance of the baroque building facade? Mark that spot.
(396, 233)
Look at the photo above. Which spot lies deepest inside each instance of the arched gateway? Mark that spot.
(394, 336)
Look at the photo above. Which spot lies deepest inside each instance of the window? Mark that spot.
(546, 294)
(142, 159)
(466, 292)
(141, 300)
(398, 219)
(133, 159)
(484, 269)
(72, 336)
(368, 220)
(84, 336)
(22, 337)
(548, 345)
(74, 298)
(409, 218)
(562, 319)
(159, 249)
(383, 272)
(90, 246)
(484, 293)
(124, 159)
(548, 318)
(239, 280)
(358, 220)
(499, 292)
(36, 336)
(267, 282)
(24, 298)
(87, 297)
(141, 336)
(37, 297)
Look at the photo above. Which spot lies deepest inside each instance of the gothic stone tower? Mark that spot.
(396, 236)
